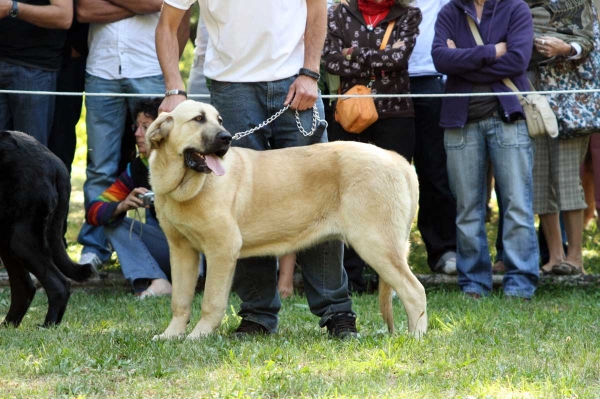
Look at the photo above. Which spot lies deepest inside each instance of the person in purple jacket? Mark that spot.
(481, 128)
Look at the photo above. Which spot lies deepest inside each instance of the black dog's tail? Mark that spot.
(58, 226)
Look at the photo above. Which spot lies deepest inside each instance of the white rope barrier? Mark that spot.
(510, 93)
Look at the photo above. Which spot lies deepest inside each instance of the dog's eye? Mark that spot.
(199, 118)
(220, 121)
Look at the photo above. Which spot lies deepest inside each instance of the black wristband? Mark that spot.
(309, 73)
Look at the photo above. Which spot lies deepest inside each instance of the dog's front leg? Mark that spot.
(219, 278)
(184, 275)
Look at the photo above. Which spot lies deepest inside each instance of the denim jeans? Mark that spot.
(105, 120)
(246, 105)
(510, 150)
(143, 250)
(28, 113)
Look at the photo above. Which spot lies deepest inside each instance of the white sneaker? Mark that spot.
(91, 258)
(450, 266)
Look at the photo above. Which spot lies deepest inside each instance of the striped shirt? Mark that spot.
(100, 210)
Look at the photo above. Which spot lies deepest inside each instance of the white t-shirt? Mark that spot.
(252, 40)
(124, 49)
(420, 62)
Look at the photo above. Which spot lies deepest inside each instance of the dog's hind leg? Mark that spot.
(392, 266)
(22, 289)
(58, 290)
(31, 247)
(184, 276)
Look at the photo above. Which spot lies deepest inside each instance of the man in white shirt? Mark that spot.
(437, 207)
(262, 55)
(122, 59)
(196, 83)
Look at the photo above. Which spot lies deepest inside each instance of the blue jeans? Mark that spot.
(510, 150)
(246, 105)
(28, 113)
(105, 120)
(143, 250)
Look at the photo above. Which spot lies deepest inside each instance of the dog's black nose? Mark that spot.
(224, 136)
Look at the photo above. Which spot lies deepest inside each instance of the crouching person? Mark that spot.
(142, 248)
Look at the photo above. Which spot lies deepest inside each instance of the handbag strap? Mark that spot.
(384, 42)
(479, 41)
(387, 35)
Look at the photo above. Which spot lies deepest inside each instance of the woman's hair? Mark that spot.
(404, 2)
(149, 106)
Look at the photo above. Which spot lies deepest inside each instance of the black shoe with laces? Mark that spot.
(248, 327)
(342, 325)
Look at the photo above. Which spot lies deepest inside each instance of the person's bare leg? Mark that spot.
(285, 283)
(574, 227)
(551, 227)
(587, 181)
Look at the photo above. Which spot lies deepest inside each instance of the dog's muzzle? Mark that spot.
(210, 161)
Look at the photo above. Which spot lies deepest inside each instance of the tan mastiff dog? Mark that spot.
(231, 203)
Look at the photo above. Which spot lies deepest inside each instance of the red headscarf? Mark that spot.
(370, 7)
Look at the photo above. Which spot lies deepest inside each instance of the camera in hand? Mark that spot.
(148, 198)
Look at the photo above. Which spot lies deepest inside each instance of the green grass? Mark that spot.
(484, 349)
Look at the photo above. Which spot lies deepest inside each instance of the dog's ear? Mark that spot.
(159, 130)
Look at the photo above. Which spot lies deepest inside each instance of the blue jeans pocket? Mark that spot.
(455, 139)
(89, 78)
(217, 86)
(512, 135)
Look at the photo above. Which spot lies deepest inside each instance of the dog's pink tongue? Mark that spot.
(214, 163)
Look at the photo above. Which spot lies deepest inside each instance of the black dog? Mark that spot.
(34, 200)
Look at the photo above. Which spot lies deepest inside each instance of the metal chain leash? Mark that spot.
(315, 119)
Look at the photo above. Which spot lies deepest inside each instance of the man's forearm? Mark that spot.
(314, 36)
(139, 7)
(183, 33)
(56, 15)
(100, 12)
(167, 49)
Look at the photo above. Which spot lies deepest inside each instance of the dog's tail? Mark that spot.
(58, 226)
(385, 304)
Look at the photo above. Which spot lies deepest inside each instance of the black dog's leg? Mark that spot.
(22, 289)
(40, 264)
(58, 290)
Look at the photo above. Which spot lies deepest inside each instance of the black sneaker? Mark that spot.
(248, 327)
(342, 325)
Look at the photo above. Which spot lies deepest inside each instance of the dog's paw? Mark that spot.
(194, 336)
(164, 337)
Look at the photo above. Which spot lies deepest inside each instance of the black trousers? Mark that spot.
(437, 206)
(67, 110)
(396, 134)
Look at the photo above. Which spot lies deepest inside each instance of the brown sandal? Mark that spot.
(566, 269)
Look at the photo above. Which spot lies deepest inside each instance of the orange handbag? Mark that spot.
(355, 114)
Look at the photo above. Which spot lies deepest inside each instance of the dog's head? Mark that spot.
(195, 131)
